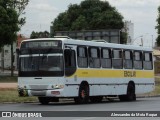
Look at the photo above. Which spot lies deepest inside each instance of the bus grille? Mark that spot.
(38, 93)
(38, 87)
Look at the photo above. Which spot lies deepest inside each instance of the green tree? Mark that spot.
(158, 27)
(44, 34)
(8, 28)
(88, 15)
(10, 20)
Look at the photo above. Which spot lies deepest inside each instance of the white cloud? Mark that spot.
(43, 7)
(39, 14)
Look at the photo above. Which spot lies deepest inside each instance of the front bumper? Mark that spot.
(41, 93)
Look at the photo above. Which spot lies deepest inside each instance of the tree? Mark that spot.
(89, 15)
(158, 27)
(123, 37)
(11, 22)
(8, 28)
(44, 34)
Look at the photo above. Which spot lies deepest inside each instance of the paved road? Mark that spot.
(142, 104)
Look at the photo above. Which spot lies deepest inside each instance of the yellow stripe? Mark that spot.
(101, 73)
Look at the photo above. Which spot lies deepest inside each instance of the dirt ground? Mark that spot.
(8, 85)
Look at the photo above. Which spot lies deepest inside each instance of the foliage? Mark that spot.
(44, 34)
(8, 79)
(123, 37)
(158, 27)
(10, 21)
(88, 15)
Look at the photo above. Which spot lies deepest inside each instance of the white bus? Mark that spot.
(54, 68)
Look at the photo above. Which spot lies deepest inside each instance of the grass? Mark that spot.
(11, 95)
(8, 79)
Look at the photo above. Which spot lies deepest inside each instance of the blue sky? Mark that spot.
(143, 13)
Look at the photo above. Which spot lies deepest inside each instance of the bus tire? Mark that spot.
(44, 100)
(83, 96)
(130, 96)
(96, 99)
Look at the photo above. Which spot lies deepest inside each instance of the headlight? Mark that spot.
(58, 86)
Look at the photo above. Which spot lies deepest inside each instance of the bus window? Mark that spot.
(117, 59)
(82, 57)
(70, 62)
(94, 57)
(147, 62)
(106, 58)
(138, 60)
(128, 64)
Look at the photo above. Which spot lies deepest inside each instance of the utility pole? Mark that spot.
(2, 59)
(12, 69)
(12, 60)
(152, 42)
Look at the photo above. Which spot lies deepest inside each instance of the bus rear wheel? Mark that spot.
(44, 100)
(83, 96)
(130, 96)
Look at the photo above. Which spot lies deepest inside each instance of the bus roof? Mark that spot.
(70, 41)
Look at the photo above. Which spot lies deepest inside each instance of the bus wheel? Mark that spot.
(44, 100)
(83, 94)
(96, 99)
(131, 96)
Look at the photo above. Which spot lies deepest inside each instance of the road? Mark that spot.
(142, 104)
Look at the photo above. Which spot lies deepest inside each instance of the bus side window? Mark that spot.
(70, 62)
(94, 57)
(128, 61)
(138, 60)
(106, 58)
(82, 57)
(117, 61)
(147, 61)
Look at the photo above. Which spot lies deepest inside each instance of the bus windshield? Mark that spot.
(40, 61)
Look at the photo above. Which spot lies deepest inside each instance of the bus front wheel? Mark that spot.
(83, 96)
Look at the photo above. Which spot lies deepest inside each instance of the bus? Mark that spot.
(87, 71)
